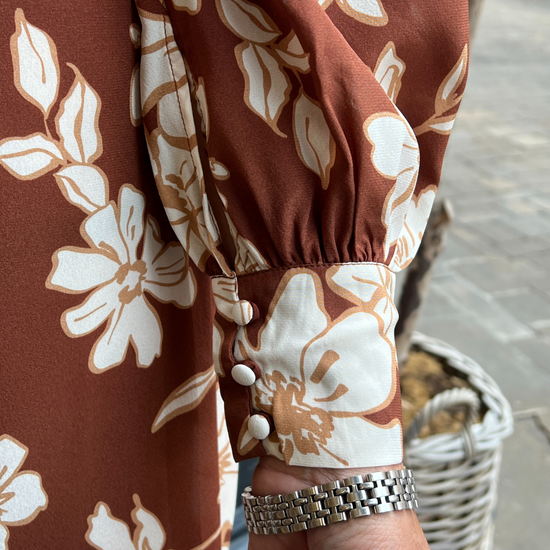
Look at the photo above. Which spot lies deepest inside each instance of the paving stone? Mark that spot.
(538, 178)
(466, 213)
(438, 303)
(521, 205)
(460, 177)
(487, 250)
(468, 235)
(541, 199)
(499, 184)
(495, 229)
(494, 166)
(523, 510)
(530, 140)
(526, 271)
(531, 224)
(523, 245)
(527, 306)
(473, 195)
(488, 149)
(522, 381)
(538, 349)
(541, 257)
(454, 249)
(489, 274)
(483, 309)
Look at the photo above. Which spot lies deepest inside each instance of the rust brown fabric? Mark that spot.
(319, 130)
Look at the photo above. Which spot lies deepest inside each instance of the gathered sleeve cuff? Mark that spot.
(307, 364)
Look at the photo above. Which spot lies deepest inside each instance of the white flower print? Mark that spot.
(105, 532)
(370, 12)
(328, 374)
(22, 497)
(447, 99)
(395, 155)
(413, 229)
(119, 277)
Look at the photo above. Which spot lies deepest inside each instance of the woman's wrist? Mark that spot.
(284, 478)
(394, 530)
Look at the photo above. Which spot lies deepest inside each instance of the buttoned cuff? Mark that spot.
(307, 364)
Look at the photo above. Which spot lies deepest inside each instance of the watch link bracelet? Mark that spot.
(340, 500)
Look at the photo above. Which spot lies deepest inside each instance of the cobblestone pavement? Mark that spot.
(490, 296)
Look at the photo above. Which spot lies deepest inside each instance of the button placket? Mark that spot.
(243, 312)
(243, 375)
(245, 372)
(259, 426)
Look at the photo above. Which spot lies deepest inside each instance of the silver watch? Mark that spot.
(340, 500)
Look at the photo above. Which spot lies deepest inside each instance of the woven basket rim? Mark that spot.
(497, 422)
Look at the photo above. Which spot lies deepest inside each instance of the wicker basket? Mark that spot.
(457, 474)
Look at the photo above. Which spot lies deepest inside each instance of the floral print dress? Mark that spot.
(204, 205)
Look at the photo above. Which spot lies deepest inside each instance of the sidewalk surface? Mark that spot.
(490, 296)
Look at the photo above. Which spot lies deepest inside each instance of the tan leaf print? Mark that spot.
(446, 95)
(245, 441)
(267, 86)
(413, 229)
(77, 121)
(219, 171)
(226, 295)
(217, 342)
(35, 65)
(84, 185)
(389, 71)
(190, 6)
(135, 35)
(247, 258)
(248, 21)
(314, 142)
(292, 54)
(217, 168)
(135, 97)
(446, 99)
(202, 107)
(370, 12)
(185, 397)
(29, 157)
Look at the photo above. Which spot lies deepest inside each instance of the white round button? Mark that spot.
(258, 426)
(243, 375)
(242, 312)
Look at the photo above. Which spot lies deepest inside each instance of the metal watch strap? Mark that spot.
(339, 500)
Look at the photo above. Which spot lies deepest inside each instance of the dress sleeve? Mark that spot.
(297, 148)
